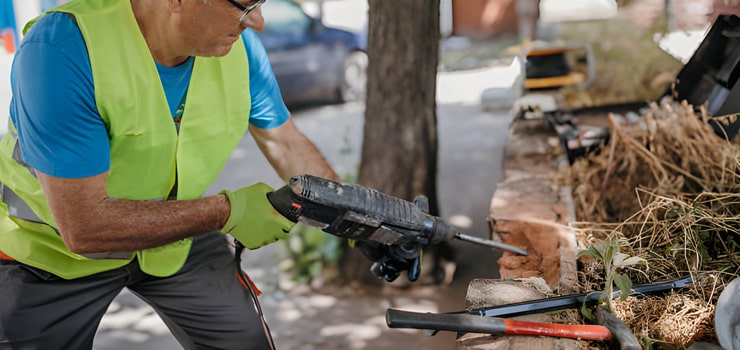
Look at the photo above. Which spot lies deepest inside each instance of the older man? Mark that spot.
(123, 114)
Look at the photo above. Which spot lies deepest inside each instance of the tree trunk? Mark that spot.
(399, 153)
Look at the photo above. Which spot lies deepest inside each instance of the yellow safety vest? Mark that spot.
(147, 155)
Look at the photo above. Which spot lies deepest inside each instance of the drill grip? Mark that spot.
(357, 212)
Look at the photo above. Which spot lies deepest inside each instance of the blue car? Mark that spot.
(312, 62)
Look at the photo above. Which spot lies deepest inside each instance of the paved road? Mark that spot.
(471, 148)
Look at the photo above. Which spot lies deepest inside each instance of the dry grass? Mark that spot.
(671, 186)
(675, 320)
(665, 182)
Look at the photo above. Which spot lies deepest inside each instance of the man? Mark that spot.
(123, 114)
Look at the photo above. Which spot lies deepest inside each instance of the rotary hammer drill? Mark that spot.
(388, 229)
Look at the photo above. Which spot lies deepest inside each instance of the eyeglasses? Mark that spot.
(246, 9)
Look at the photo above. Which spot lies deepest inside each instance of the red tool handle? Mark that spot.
(491, 325)
(585, 332)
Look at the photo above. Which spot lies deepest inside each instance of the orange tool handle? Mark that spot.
(585, 332)
(491, 325)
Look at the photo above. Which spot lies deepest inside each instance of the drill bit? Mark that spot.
(490, 244)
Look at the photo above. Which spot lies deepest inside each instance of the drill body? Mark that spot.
(360, 213)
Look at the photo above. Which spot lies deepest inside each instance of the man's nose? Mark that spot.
(254, 20)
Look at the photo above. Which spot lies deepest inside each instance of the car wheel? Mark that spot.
(354, 77)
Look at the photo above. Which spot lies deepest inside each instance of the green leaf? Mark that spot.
(312, 255)
(624, 284)
(623, 260)
(647, 343)
(587, 313)
(330, 249)
(314, 237)
(295, 244)
(591, 251)
(634, 260)
(619, 259)
(315, 269)
(585, 252)
(286, 265)
(608, 252)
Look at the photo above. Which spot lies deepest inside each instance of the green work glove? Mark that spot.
(253, 221)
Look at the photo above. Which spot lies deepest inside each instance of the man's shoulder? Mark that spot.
(54, 28)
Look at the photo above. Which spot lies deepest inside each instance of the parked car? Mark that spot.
(312, 62)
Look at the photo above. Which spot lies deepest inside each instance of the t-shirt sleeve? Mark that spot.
(53, 105)
(268, 109)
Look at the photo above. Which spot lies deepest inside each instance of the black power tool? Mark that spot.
(364, 214)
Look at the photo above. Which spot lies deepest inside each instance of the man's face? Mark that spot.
(212, 28)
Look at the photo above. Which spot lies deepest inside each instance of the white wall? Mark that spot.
(348, 14)
(352, 14)
(576, 10)
(5, 61)
(445, 18)
(25, 10)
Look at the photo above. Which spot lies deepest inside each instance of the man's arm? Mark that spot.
(89, 221)
(291, 153)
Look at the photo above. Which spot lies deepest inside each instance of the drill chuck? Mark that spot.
(437, 230)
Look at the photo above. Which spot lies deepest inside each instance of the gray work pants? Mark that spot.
(204, 304)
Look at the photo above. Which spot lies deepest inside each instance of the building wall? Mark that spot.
(484, 18)
(691, 14)
(487, 18)
(680, 14)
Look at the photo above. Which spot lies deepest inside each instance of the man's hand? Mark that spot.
(253, 221)
(390, 260)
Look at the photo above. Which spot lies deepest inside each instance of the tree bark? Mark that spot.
(399, 153)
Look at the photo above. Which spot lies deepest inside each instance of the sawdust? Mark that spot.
(541, 241)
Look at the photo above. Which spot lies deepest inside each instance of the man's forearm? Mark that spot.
(129, 225)
(306, 159)
(291, 153)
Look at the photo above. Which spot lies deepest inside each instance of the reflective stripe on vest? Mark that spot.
(16, 206)
(19, 209)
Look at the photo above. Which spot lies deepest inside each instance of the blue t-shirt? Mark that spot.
(53, 105)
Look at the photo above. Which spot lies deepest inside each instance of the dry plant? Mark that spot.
(672, 320)
(670, 186)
